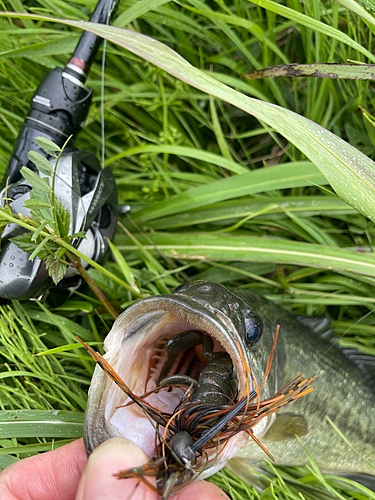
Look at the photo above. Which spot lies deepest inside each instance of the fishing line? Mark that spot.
(102, 92)
(346, 331)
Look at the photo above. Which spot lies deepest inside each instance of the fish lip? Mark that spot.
(125, 328)
(193, 311)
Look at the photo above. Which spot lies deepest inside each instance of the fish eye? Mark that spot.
(254, 329)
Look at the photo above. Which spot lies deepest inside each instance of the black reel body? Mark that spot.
(58, 110)
(90, 195)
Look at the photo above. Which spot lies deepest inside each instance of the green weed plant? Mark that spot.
(266, 184)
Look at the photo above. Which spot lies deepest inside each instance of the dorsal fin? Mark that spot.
(321, 326)
(318, 324)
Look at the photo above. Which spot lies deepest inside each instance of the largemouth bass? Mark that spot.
(237, 320)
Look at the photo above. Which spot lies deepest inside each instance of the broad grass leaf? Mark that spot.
(200, 246)
(64, 45)
(30, 448)
(317, 70)
(349, 172)
(6, 460)
(197, 154)
(40, 423)
(294, 174)
(235, 209)
(137, 10)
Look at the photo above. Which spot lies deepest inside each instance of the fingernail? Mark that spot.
(98, 481)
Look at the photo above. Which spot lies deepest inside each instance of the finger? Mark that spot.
(49, 476)
(202, 490)
(98, 481)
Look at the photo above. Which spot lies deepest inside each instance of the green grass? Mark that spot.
(212, 188)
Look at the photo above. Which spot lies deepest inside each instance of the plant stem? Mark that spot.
(94, 287)
(165, 116)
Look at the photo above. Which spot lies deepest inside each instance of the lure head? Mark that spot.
(135, 350)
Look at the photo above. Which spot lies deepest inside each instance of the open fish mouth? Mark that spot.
(209, 409)
(135, 349)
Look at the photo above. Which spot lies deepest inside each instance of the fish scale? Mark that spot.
(340, 392)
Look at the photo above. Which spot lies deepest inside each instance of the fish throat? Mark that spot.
(173, 347)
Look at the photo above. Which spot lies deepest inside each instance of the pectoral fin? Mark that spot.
(286, 426)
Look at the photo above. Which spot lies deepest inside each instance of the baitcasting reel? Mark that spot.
(58, 110)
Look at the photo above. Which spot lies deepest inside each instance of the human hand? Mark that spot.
(65, 474)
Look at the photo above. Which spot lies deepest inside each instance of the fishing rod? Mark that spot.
(58, 110)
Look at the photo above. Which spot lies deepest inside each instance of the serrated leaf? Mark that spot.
(35, 180)
(43, 254)
(60, 252)
(49, 251)
(63, 218)
(49, 147)
(56, 269)
(25, 243)
(41, 162)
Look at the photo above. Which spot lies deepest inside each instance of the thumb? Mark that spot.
(99, 483)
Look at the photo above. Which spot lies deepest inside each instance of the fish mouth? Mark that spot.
(135, 350)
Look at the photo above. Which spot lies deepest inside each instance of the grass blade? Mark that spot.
(202, 247)
(318, 70)
(314, 24)
(34, 423)
(197, 154)
(264, 179)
